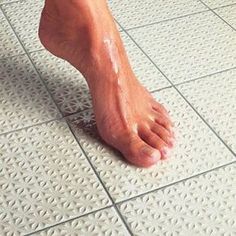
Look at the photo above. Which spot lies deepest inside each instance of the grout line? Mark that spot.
(37, 50)
(216, 8)
(204, 76)
(217, 15)
(101, 182)
(27, 54)
(177, 182)
(8, 3)
(161, 21)
(160, 89)
(69, 220)
(31, 126)
(179, 92)
(99, 178)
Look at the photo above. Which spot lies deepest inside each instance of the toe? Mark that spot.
(140, 153)
(160, 108)
(154, 141)
(164, 121)
(163, 133)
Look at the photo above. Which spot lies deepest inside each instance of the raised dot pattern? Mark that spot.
(24, 99)
(200, 206)
(9, 45)
(190, 47)
(24, 17)
(45, 179)
(133, 13)
(215, 99)
(228, 14)
(105, 222)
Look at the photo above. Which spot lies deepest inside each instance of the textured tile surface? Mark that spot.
(44, 179)
(218, 3)
(46, 182)
(24, 100)
(133, 13)
(7, 1)
(200, 206)
(24, 17)
(65, 83)
(197, 150)
(189, 47)
(214, 97)
(69, 87)
(228, 14)
(9, 45)
(105, 222)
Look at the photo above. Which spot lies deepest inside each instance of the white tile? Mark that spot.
(133, 13)
(189, 47)
(24, 17)
(197, 150)
(69, 87)
(45, 179)
(9, 44)
(105, 222)
(214, 97)
(200, 206)
(24, 100)
(218, 3)
(228, 14)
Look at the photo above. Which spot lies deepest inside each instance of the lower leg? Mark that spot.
(128, 118)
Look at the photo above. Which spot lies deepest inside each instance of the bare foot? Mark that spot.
(127, 116)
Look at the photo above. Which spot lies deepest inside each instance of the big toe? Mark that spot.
(139, 153)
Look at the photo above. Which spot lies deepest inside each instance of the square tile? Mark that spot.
(197, 150)
(69, 88)
(189, 47)
(228, 14)
(9, 44)
(200, 206)
(24, 100)
(214, 97)
(45, 179)
(133, 13)
(104, 222)
(24, 17)
(218, 3)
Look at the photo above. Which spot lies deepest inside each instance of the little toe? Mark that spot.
(140, 153)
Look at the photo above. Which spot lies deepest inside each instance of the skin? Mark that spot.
(128, 118)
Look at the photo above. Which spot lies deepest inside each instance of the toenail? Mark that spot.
(153, 154)
(145, 150)
(165, 152)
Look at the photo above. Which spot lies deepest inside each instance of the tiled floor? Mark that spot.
(57, 177)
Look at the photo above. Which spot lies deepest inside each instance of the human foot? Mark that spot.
(127, 116)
